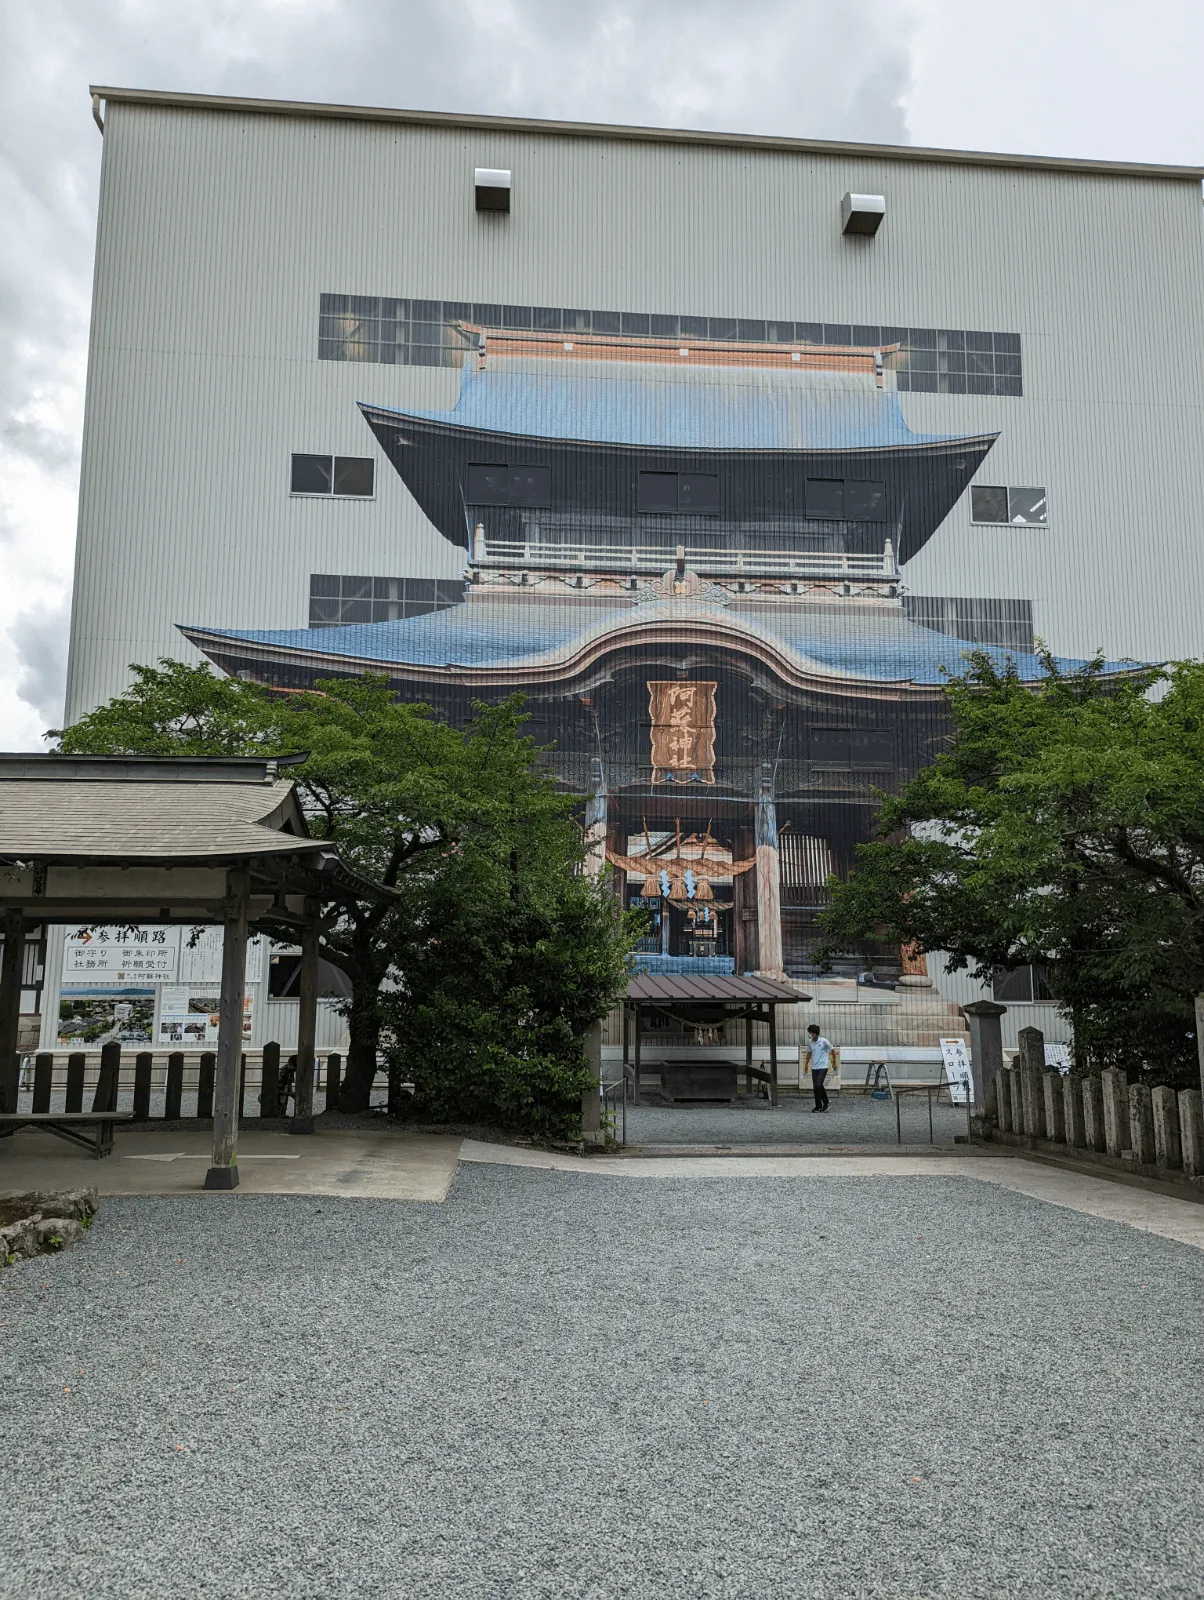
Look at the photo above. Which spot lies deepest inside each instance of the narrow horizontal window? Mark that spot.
(695, 493)
(1023, 507)
(333, 475)
(343, 600)
(825, 498)
(499, 483)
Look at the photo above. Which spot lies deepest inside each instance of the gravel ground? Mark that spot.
(853, 1119)
(557, 1385)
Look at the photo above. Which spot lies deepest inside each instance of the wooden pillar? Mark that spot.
(173, 1094)
(77, 1063)
(223, 1174)
(334, 1068)
(639, 1017)
(43, 1081)
(595, 832)
(108, 1078)
(748, 1021)
(773, 1054)
(10, 1007)
(769, 885)
(307, 1024)
(269, 1079)
(144, 1066)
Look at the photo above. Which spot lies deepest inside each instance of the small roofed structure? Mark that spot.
(707, 1001)
(148, 839)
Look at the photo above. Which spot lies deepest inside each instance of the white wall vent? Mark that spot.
(493, 189)
(862, 213)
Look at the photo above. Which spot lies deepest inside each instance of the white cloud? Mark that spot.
(772, 66)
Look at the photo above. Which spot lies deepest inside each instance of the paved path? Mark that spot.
(852, 1120)
(640, 1384)
(380, 1163)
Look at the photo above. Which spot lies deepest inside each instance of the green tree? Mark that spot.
(402, 794)
(1063, 825)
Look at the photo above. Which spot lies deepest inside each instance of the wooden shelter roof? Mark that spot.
(655, 988)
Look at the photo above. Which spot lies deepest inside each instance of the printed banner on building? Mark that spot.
(121, 955)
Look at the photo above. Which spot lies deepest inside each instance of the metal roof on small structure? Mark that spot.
(670, 408)
(55, 821)
(654, 988)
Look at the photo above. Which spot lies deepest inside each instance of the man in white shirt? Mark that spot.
(820, 1051)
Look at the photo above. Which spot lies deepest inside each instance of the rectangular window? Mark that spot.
(695, 493)
(350, 476)
(498, 483)
(864, 500)
(825, 498)
(430, 333)
(341, 600)
(1021, 985)
(1024, 507)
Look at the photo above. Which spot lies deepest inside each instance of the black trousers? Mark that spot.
(821, 1094)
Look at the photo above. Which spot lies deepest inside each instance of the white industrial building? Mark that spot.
(454, 398)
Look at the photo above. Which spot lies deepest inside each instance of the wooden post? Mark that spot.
(773, 1053)
(43, 1081)
(639, 1016)
(175, 1087)
(269, 1080)
(204, 1084)
(10, 1008)
(307, 1024)
(105, 1098)
(144, 1064)
(748, 1021)
(334, 1073)
(769, 882)
(76, 1062)
(223, 1173)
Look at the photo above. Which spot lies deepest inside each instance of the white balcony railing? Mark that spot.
(699, 558)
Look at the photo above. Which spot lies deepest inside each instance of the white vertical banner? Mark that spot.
(957, 1070)
(201, 957)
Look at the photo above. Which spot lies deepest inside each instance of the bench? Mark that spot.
(69, 1125)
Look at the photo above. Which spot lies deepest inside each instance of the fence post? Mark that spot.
(269, 1085)
(1167, 1152)
(1017, 1095)
(105, 1098)
(1072, 1111)
(204, 1083)
(1033, 1096)
(1114, 1087)
(1191, 1132)
(76, 1062)
(334, 1070)
(1141, 1124)
(144, 1063)
(175, 1087)
(242, 1087)
(43, 1080)
(1093, 1114)
(1003, 1099)
(1055, 1102)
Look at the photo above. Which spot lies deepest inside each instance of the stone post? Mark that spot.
(1114, 1087)
(307, 1023)
(1032, 1048)
(1003, 1098)
(1191, 1131)
(1032, 1095)
(1167, 1151)
(1200, 1036)
(1141, 1124)
(986, 1048)
(1072, 1111)
(1093, 1115)
(591, 1099)
(1017, 1099)
(1055, 1102)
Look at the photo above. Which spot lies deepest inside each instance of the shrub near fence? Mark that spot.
(1157, 1132)
(172, 1088)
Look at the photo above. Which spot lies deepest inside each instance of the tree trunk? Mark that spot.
(363, 1025)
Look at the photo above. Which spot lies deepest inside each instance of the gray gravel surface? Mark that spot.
(852, 1120)
(559, 1385)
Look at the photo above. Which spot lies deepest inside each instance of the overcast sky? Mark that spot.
(1058, 77)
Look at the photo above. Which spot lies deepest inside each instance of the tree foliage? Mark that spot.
(1063, 825)
(411, 802)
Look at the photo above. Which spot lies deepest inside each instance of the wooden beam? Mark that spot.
(10, 1008)
(307, 1024)
(223, 1173)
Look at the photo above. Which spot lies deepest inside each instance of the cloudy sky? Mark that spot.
(1062, 77)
